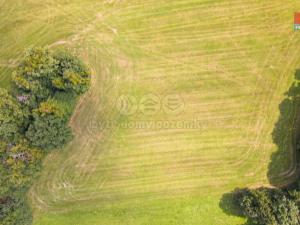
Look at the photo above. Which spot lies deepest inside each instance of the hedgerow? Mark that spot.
(34, 117)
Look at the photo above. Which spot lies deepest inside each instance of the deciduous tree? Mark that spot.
(11, 117)
(72, 74)
(269, 207)
(49, 129)
(35, 72)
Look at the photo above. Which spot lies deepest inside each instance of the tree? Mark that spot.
(43, 72)
(18, 166)
(14, 210)
(269, 207)
(35, 118)
(20, 163)
(71, 75)
(35, 72)
(11, 117)
(49, 129)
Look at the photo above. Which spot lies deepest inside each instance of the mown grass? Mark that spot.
(230, 61)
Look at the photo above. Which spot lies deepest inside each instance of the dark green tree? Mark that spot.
(14, 210)
(11, 117)
(49, 129)
(269, 207)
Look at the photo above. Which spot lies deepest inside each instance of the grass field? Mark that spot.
(230, 61)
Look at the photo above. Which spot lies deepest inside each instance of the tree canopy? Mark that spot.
(11, 117)
(42, 73)
(266, 206)
(20, 162)
(34, 117)
(49, 129)
(71, 74)
(34, 74)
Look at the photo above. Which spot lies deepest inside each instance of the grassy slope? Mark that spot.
(231, 61)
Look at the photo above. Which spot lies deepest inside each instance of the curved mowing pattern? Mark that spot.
(230, 61)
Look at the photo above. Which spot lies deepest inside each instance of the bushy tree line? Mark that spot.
(34, 118)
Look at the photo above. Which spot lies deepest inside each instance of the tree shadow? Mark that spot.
(230, 205)
(285, 136)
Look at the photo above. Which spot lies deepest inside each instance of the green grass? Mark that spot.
(230, 61)
(177, 212)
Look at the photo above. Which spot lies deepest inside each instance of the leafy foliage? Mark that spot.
(14, 210)
(49, 129)
(11, 117)
(34, 119)
(43, 72)
(21, 162)
(72, 74)
(34, 73)
(269, 207)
